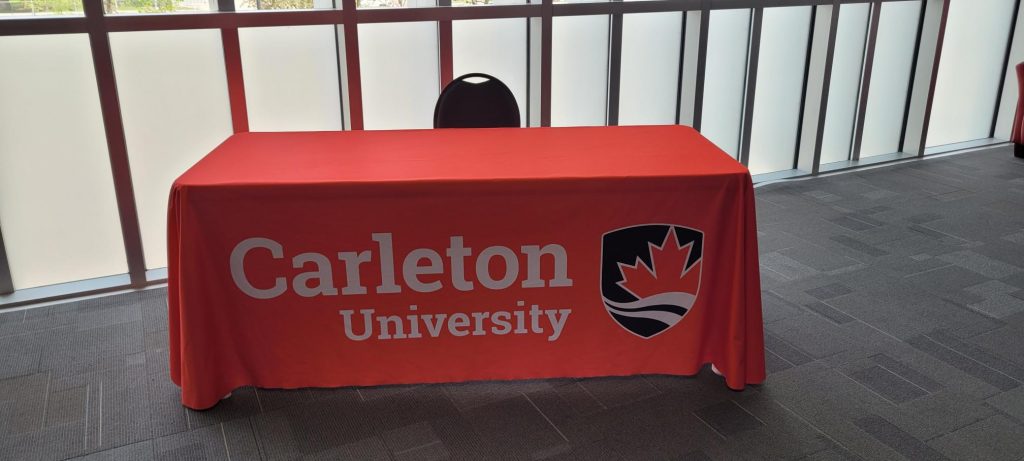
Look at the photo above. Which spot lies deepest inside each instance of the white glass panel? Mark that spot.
(400, 79)
(579, 70)
(972, 62)
(844, 89)
(649, 80)
(890, 78)
(174, 103)
(496, 47)
(724, 78)
(57, 205)
(780, 81)
(291, 78)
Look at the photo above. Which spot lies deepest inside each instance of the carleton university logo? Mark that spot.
(650, 275)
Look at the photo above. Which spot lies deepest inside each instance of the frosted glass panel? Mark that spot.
(649, 79)
(728, 38)
(495, 47)
(780, 81)
(400, 77)
(291, 78)
(174, 102)
(972, 63)
(837, 141)
(579, 70)
(57, 205)
(890, 78)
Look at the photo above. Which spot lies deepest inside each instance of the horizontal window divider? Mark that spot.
(61, 291)
(217, 20)
(42, 26)
(277, 18)
(646, 6)
(448, 13)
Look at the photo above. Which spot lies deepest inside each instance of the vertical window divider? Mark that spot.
(682, 60)
(926, 74)
(913, 75)
(6, 283)
(702, 63)
(350, 20)
(614, 67)
(816, 92)
(865, 87)
(117, 147)
(753, 56)
(445, 48)
(339, 56)
(547, 12)
(1007, 67)
(233, 71)
(803, 91)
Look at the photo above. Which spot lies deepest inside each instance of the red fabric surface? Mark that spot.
(330, 192)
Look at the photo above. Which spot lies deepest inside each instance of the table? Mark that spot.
(329, 259)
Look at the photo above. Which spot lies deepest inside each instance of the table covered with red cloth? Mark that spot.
(328, 259)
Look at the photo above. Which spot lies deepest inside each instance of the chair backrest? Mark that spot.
(487, 104)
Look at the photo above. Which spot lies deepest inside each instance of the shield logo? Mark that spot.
(650, 275)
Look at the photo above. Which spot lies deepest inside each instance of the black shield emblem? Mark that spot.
(650, 275)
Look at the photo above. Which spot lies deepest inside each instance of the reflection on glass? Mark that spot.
(156, 6)
(174, 103)
(57, 205)
(394, 3)
(496, 47)
(725, 76)
(844, 89)
(487, 2)
(650, 68)
(15, 8)
(252, 5)
(579, 70)
(890, 78)
(972, 63)
(780, 77)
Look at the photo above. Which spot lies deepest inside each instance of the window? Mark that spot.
(649, 77)
(890, 78)
(725, 78)
(970, 70)
(57, 205)
(400, 77)
(579, 70)
(780, 81)
(286, 90)
(170, 83)
(844, 91)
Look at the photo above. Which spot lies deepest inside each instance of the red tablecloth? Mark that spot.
(361, 258)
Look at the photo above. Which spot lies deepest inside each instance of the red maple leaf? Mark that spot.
(668, 272)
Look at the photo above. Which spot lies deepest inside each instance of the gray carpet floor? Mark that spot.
(894, 320)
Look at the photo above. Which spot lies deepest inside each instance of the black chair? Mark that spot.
(487, 104)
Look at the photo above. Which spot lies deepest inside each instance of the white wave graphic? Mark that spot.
(668, 318)
(674, 298)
